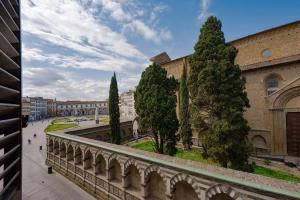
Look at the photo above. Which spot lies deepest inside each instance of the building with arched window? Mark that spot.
(270, 62)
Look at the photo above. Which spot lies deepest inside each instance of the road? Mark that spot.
(37, 183)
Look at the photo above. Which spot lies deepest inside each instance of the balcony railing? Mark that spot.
(129, 174)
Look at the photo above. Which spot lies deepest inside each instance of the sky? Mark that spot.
(70, 48)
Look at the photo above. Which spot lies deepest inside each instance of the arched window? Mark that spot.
(272, 84)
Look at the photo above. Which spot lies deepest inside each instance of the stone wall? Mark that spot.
(102, 132)
(118, 172)
(282, 42)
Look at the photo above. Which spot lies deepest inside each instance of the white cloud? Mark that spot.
(67, 23)
(148, 33)
(130, 20)
(160, 8)
(59, 84)
(115, 9)
(70, 34)
(108, 63)
(204, 10)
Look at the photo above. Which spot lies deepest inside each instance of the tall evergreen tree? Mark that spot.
(185, 126)
(114, 113)
(218, 98)
(155, 104)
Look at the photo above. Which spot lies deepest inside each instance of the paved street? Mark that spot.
(37, 183)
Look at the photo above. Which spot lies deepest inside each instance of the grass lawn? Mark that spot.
(196, 155)
(193, 154)
(57, 127)
(90, 117)
(278, 174)
(104, 119)
(60, 120)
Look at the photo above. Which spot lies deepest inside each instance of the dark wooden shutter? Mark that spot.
(10, 100)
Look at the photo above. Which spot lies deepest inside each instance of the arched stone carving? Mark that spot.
(219, 189)
(155, 182)
(115, 170)
(88, 160)
(51, 145)
(186, 178)
(100, 164)
(133, 176)
(70, 153)
(116, 157)
(259, 142)
(62, 149)
(56, 147)
(154, 168)
(286, 96)
(78, 156)
(129, 162)
(100, 152)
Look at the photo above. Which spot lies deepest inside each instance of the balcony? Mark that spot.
(118, 172)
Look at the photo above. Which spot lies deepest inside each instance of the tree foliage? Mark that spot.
(218, 98)
(114, 113)
(185, 126)
(155, 104)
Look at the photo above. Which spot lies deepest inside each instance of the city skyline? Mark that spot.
(121, 36)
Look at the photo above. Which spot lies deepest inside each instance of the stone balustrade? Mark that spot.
(116, 172)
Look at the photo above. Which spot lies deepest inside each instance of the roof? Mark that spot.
(245, 37)
(266, 30)
(80, 102)
(161, 58)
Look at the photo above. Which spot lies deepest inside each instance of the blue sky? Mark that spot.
(72, 47)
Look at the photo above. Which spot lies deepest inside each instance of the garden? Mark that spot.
(60, 124)
(196, 155)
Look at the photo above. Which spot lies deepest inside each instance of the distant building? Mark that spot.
(78, 108)
(51, 107)
(126, 104)
(38, 108)
(25, 106)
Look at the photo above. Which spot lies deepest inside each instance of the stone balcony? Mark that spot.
(118, 172)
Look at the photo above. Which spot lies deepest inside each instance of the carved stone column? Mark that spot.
(108, 175)
(144, 192)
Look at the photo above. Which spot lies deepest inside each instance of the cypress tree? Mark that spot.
(218, 98)
(185, 126)
(155, 104)
(114, 113)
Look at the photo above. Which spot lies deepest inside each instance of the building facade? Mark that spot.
(126, 104)
(270, 62)
(38, 108)
(79, 108)
(10, 101)
(51, 107)
(26, 106)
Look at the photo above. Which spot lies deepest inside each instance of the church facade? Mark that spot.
(270, 62)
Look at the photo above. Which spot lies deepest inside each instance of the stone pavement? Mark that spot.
(37, 183)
